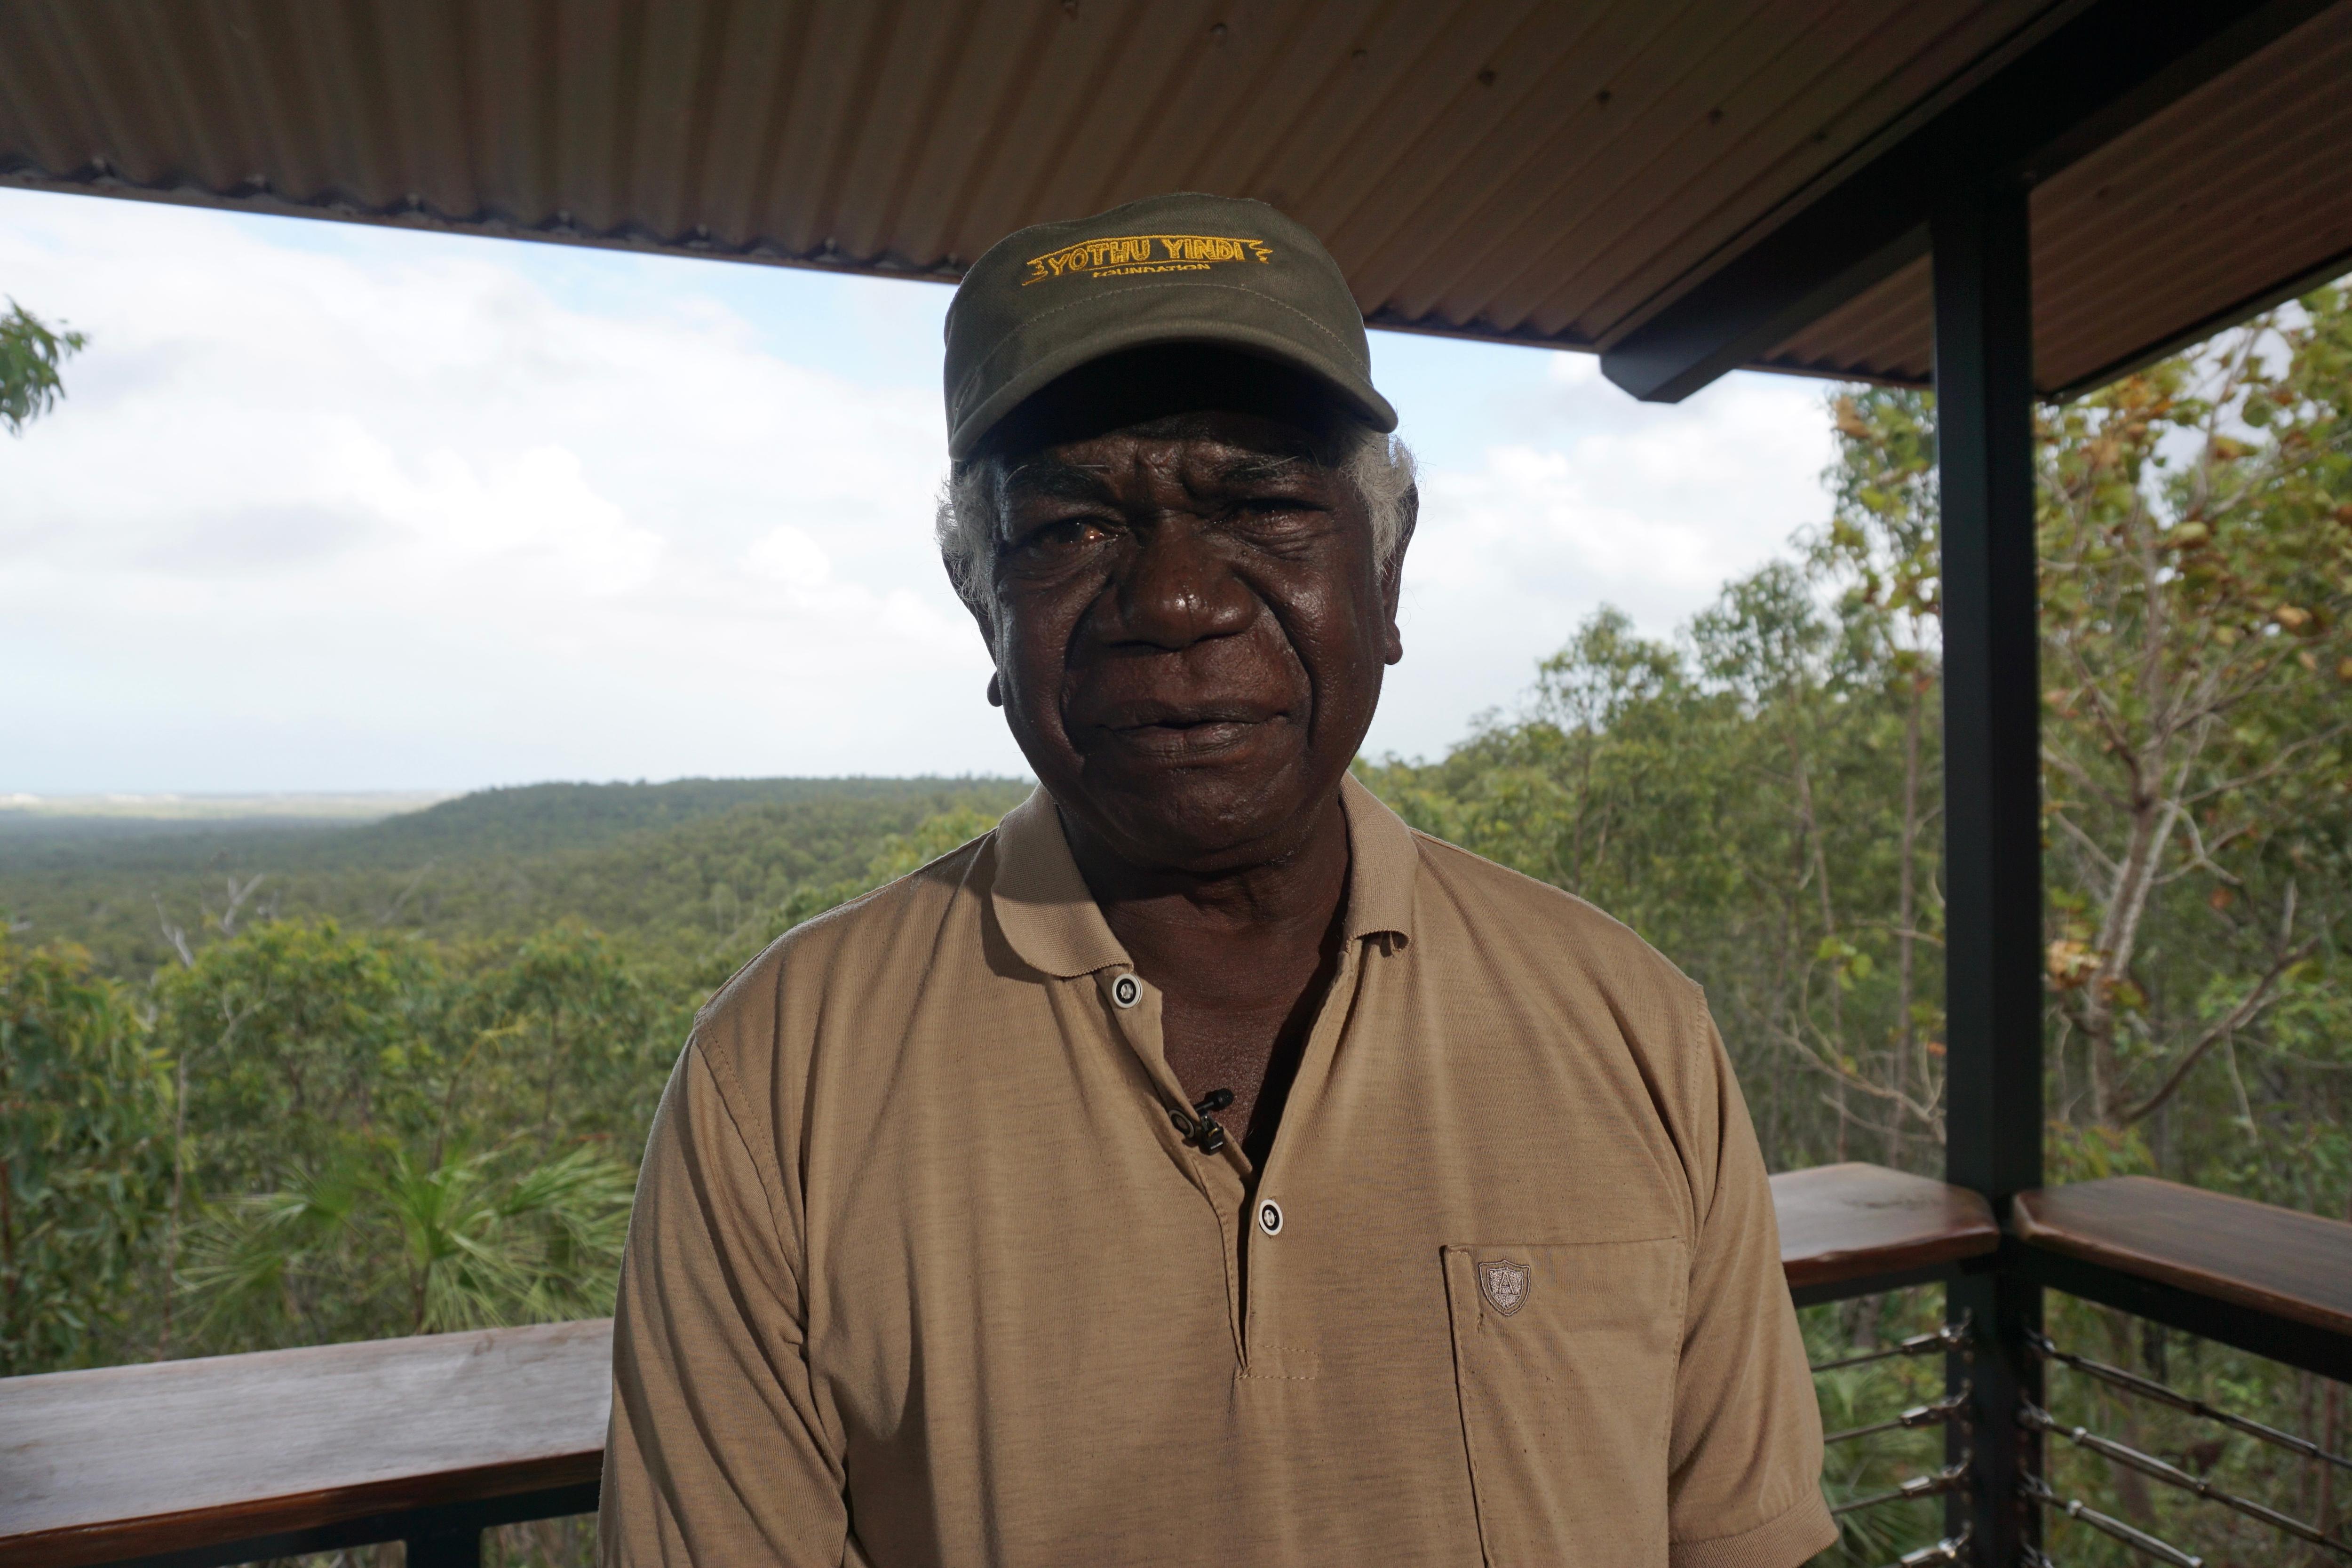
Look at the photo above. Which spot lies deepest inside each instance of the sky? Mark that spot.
(330, 507)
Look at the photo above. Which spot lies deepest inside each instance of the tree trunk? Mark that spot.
(1813, 853)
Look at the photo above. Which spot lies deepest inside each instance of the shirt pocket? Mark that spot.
(1564, 1360)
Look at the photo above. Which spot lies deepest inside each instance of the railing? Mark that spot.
(234, 1459)
(433, 1439)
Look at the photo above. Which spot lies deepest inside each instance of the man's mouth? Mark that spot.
(1177, 732)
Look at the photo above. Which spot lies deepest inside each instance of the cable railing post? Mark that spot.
(1992, 839)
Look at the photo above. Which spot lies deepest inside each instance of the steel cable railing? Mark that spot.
(2038, 1489)
(2148, 1388)
(1952, 1549)
(1917, 1417)
(1934, 1483)
(1950, 1337)
(2035, 1418)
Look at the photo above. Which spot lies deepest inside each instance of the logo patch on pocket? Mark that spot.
(1504, 1284)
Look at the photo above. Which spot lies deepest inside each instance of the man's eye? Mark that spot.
(1272, 517)
(1069, 534)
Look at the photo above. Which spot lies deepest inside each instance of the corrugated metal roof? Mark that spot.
(1509, 169)
(2204, 211)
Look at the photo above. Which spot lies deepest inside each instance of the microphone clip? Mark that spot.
(1200, 1129)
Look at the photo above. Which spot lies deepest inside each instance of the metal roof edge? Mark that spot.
(2221, 321)
(97, 179)
(1953, 88)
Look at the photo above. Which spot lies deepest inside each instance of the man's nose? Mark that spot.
(1177, 588)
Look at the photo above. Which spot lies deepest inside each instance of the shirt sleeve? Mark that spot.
(1744, 1485)
(718, 1451)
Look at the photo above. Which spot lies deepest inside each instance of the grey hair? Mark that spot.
(1379, 467)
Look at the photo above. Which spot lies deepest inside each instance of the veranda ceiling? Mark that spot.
(1515, 170)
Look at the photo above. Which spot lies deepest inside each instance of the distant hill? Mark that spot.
(537, 819)
(675, 865)
(20, 810)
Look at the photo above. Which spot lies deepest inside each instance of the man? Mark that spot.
(1203, 1167)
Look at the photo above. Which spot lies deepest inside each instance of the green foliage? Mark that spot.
(932, 837)
(279, 1038)
(2195, 539)
(388, 1238)
(84, 1150)
(296, 1131)
(699, 870)
(30, 353)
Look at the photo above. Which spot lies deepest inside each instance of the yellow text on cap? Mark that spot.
(1144, 253)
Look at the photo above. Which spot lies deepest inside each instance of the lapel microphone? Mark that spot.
(1200, 1129)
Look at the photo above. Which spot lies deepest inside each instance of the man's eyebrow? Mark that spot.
(1266, 468)
(1053, 476)
(1061, 480)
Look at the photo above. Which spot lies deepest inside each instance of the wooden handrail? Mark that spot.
(2293, 1266)
(97, 1467)
(130, 1461)
(1847, 1229)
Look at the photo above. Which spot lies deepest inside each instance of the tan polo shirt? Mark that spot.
(921, 1271)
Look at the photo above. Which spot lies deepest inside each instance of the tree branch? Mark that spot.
(2236, 1019)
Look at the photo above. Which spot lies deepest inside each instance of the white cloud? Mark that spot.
(791, 557)
(407, 517)
(332, 507)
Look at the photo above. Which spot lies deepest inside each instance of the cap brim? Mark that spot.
(1215, 315)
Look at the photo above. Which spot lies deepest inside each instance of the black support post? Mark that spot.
(1992, 798)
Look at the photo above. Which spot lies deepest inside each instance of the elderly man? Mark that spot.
(1203, 1167)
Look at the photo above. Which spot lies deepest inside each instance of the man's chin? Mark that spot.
(1196, 819)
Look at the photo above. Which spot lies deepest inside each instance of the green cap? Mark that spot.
(1184, 268)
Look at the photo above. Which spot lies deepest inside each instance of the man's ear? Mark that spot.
(1392, 571)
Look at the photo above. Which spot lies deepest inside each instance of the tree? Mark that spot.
(586, 1014)
(30, 354)
(2196, 535)
(275, 1036)
(85, 1122)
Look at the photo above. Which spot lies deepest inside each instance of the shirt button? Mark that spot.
(1269, 1216)
(1127, 991)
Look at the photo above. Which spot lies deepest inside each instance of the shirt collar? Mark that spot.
(1042, 903)
(1051, 919)
(1383, 862)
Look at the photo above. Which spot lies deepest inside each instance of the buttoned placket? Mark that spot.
(1220, 1178)
(1223, 1179)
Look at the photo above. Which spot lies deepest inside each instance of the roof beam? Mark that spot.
(2104, 69)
